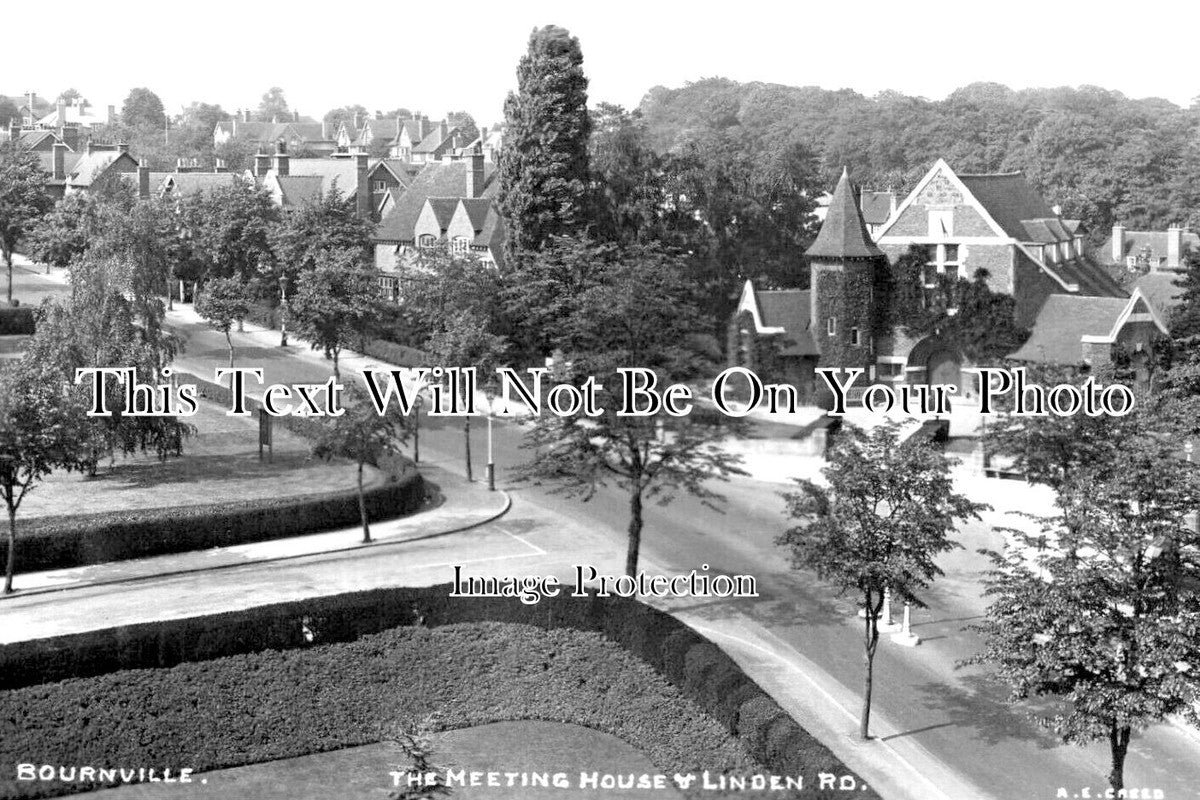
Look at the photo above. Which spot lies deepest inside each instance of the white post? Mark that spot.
(886, 623)
(906, 637)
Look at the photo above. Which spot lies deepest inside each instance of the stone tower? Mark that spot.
(844, 263)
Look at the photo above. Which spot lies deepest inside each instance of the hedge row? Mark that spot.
(693, 664)
(79, 540)
(74, 541)
(270, 705)
(16, 321)
(396, 354)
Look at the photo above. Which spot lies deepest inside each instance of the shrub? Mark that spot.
(16, 321)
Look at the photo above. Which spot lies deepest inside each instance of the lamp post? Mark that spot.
(283, 309)
(490, 394)
(417, 428)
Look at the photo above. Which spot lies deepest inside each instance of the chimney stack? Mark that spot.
(144, 179)
(422, 128)
(246, 115)
(1118, 244)
(123, 148)
(281, 158)
(32, 112)
(363, 194)
(60, 164)
(262, 165)
(61, 108)
(112, 115)
(1174, 247)
(474, 169)
(295, 116)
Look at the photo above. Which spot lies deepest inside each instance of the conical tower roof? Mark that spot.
(843, 234)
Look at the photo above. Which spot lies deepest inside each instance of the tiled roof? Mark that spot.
(92, 165)
(435, 139)
(340, 171)
(876, 207)
(400, 170)
(298, 190)
(31, 139)
(1137, 242)
(1008, 199)
(184, 184)
(438, 179)
(843, 234)
(443, 209)
(1161, 288)
(1063, 321)
(69, 161)
(477, 208)
(789, 309)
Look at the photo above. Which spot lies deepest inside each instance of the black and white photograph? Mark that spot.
(569, 401)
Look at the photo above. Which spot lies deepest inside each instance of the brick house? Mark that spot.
(965, 224)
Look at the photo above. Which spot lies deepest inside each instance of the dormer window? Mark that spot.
(426, 240)
(460, 244)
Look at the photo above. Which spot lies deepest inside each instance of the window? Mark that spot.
(460, 244)
(854, 337)
(427, 240)
(831, 326)
(381, 186)
(389, 288)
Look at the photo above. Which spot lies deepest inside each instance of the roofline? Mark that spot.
(967, 193)
(1070, 287)
(749, 302)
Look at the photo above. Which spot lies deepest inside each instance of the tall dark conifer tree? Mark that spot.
(544, 166)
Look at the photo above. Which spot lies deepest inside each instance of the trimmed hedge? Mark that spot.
(396, 354)
(60, 542)
(17, 321)
(270, 705)
(79, 540)
(699, 669)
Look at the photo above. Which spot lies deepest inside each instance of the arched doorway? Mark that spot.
(936, 361)
(944, 366)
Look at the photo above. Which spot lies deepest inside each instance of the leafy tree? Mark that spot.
(1051, 449)
(628, 179)
(69, 95)
(223, 303)
(465, 124)
(543, 176)
(99, 326)
(229, 229)
(38, 434)
(439, 284)
(273, 105)
(636, 309)
(1185, 317)
(9, 113)
(1106, 619)
(886, 515)
(143, 109)
(464, 341)
(335, 116)
(62, 235)
(363, 436)
(138, 237)
(335, 302)
(23, 199)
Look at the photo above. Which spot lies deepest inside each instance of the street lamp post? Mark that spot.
(490, 395)
(417, 428)
(283, 309)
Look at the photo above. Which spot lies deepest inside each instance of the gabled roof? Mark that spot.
(437, 179)
(443, 209)
(843, 234)
(342, 172)
(1010, 200)
(69, 161)
(784, 313)
(297, 190)
(1161, 288)
(1065, 320)
(437, 139)
(402, 171)
(91, 166)
(477, 209)
(184, 184)
(386, 129)
(31, 139)
(876, 207)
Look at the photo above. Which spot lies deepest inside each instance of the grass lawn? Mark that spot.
(274, 705)
(220, 464)
(362, 773)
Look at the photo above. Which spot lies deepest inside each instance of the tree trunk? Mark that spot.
(467, 439)
(8, 261)
(1118, 740)
(11, 566)
(362, 506)
(870, 643)
(337, 376)
(229, 341)
(635, 529)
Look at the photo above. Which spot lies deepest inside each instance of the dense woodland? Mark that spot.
(1103, 156)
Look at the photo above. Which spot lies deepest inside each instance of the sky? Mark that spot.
(463, 55)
